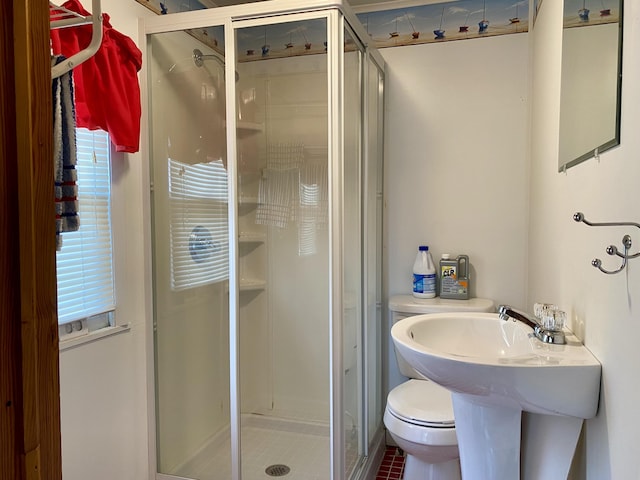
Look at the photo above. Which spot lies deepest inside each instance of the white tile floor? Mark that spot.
(306, 454)
(266, 441)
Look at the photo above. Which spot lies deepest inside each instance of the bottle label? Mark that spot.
(429, 283)
(450, 285)
(448, 279)
(448, 271)
(424, 283)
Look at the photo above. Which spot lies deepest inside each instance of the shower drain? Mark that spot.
(277, 470)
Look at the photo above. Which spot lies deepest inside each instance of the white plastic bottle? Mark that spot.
(424, 274)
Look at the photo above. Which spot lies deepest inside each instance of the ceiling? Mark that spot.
(358, 5)
(224, 3)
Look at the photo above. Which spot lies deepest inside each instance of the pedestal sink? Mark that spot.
(496, 370)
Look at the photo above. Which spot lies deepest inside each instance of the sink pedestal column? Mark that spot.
(548, 445)
(488, 439)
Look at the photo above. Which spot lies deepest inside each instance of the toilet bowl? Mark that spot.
(419, 417)
(419, 412)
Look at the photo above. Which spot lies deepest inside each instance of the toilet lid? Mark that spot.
(422, 402)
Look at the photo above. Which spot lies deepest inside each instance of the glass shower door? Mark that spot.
(283, 250)
(352, 254)
(190, 253)
(373, 210)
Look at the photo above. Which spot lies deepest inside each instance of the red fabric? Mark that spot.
(107, 93)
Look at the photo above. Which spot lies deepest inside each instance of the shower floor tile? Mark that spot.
(306, 455)
(304, 448)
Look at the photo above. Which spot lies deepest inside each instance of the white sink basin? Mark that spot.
(496, 370)
(501, 361)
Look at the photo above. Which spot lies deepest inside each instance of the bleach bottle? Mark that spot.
(424, 274)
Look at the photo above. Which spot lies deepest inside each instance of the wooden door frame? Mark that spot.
(29, 363)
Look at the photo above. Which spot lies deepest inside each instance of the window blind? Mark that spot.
(198, 224)
(85, 262)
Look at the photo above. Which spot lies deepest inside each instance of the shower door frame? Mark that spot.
(232, 18)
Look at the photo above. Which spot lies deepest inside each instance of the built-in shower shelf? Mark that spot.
(248, 200)
(251, 237)
(249, 285)
(249, 128)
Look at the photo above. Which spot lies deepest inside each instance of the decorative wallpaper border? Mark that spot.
(440, 22)
(583, 13)
(432, 23)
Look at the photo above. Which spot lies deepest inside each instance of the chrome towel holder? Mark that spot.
(611, 249)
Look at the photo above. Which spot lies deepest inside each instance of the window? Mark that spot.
(86, 295)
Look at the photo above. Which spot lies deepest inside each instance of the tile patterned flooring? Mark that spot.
(392, 465)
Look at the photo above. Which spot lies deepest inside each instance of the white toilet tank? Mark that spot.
(403, 306)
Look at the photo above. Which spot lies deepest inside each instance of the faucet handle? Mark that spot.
(553, 320)
(550, 316)
(540, 308)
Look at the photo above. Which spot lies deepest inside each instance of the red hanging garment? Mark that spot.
(107, 92)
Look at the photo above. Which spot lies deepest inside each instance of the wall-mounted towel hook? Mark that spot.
(611, 249)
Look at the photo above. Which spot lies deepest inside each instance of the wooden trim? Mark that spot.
(9, 266)
(29, 364)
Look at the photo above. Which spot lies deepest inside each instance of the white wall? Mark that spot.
(602, 308)
(456, 150)
(456, 162)
(103, 383)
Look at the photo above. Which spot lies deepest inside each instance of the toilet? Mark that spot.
(419, 413)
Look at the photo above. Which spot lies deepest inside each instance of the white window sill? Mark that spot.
(92, 336)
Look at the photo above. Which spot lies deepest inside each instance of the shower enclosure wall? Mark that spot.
(265, 156)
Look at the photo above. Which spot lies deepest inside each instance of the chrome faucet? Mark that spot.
(507, 312)
(547, 336)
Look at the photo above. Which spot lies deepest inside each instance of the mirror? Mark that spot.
(591, 79)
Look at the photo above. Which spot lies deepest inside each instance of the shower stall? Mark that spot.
(265, 160)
